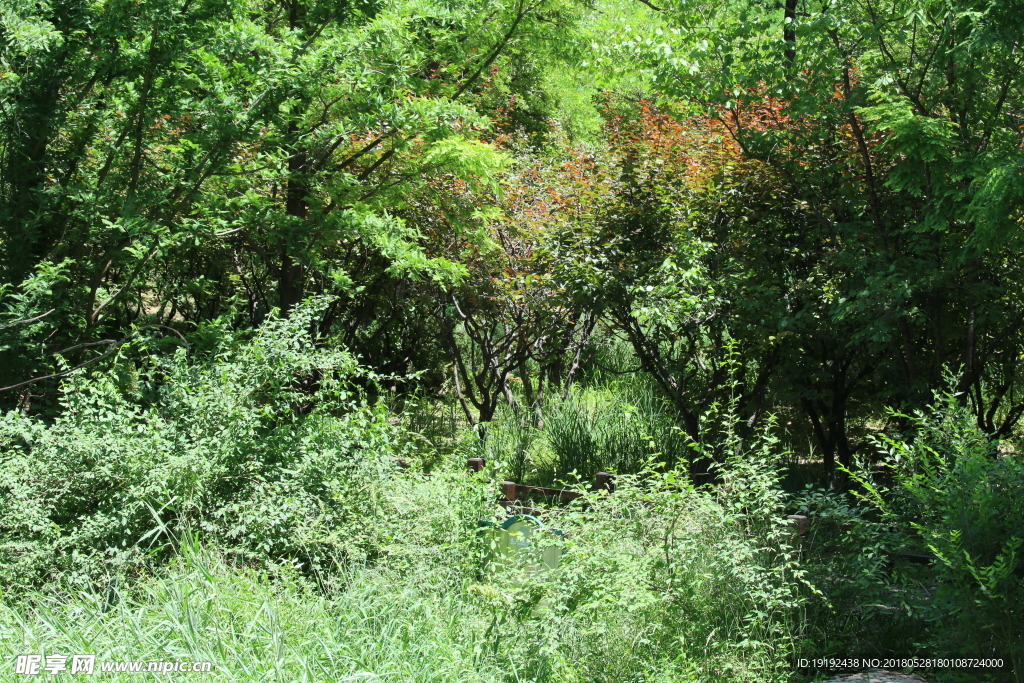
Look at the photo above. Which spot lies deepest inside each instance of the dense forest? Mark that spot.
(272, 271)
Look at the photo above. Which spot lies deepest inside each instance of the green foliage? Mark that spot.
(864, 601)
(510, 444)
(942, 490)
(621, 427)
(567, 235)
(659, 581)
(598, 625)
(185, 161)
(28, 320)
(262, 445)
(858, 241)
(702, 584)
(960, 495)
(624, 432)
(204, 608)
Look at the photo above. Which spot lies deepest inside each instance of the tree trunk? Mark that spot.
(291, 277)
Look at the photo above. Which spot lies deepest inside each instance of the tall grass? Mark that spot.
(614, 612)
(593, 429)
(511, 443)
(381, 626)
(435, 429)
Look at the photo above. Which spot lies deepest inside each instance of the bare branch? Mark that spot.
(63, 373)
(27, 320)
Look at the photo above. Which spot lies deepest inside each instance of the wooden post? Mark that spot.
(603, 482)
(476, 464)
(508, 489)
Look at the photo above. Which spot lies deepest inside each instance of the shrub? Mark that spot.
(263, 445)
(863, 603)
(661, 581)
(957, 496)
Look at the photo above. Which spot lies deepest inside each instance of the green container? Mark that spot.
(514, 541)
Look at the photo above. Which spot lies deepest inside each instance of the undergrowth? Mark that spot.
(246, 503)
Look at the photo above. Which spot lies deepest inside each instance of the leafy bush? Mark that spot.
(263, 445)
(664, 582)
(961, 498)
(863, 603)
(942, 489)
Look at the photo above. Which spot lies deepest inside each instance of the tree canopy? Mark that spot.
(811, 207)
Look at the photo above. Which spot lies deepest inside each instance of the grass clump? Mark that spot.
(378, 626)
(625, 429)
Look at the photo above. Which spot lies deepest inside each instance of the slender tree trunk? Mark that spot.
(824, 438)
(291, 277)
(789, 35)
(291, 274)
